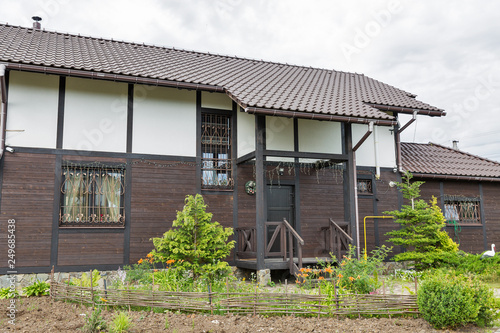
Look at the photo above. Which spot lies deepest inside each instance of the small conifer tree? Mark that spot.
(421, 231)
(195, 243)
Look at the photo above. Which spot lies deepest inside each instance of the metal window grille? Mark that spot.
(365, 186)
(216, 166)
(92, 196)
(463, 210)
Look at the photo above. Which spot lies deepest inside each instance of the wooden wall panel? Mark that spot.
(90, 249)
(491, 204)
(387, 200)
(27, 196)
(322, 198)
(246, 203)
(158, 192)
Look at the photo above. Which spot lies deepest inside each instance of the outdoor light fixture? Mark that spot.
(281, 171)
(9, 149)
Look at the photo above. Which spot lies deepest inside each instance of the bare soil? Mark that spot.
(42, 314)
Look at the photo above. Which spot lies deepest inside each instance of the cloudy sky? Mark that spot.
(447, 53)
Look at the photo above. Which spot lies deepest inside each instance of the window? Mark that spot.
(365, 186)
(92, 196)
(462, 210)
(216, 166)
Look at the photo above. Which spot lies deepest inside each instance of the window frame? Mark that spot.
(452, 207)
(217, 165)
(92, 197)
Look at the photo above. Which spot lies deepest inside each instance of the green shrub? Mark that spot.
(95, 322)
(121, 323)
(84, 281)
(196, 243)
(448, 300)
(361, 275)
(39, 288)
(8, 293)
(487, 269)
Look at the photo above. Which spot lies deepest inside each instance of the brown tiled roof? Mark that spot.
(434, 159)
(251, 83)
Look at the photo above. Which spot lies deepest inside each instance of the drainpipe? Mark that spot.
(356, 205)
(3, 107)
(375, 152)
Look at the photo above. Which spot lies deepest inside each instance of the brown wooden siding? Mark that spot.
(322, 198)
(387, 201)
(27, 197)
(246, 203)
(157, 194)
(491, 204)
(90, 249)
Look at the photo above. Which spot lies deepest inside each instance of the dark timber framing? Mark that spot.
(234, 154)
(298, 224)
(198, 142)
(60, 112)
(483, 220)
(54, 245)
(260, 182)
(350, 181)
(130, 117)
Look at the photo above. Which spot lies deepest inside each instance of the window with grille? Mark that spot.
(365, 186)
(92, 196)
(216, 166)
(462, 210)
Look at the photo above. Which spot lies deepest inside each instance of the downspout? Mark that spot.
(3, 107)
(375, 152)
(398, 140)
(355, 176)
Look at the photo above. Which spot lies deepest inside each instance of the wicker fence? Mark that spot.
(242, 303)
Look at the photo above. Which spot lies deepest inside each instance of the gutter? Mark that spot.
(114, 77)
(327, 117)
(403, 109)
(454, 177)
(3, 107)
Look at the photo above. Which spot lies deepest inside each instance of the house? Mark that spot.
(467, 188)
(103, 139)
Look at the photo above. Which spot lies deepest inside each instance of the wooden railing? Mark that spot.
(292, 234)
(289, 245)
(337, 238)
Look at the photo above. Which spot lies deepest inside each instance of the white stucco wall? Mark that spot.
(246, 133)
(95, 115)
(32, 110)
(216, 101)
(320, 136)
(279, 136)
(365, 155)
(164, 122)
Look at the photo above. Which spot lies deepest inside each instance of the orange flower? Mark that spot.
(351, 278)
(140, 261)
(170, 261)
(104, 300)
(297, 281)
(155, 270)
(343, 263)
(340, 276)
(150, 255)
(358, 277)
(328, 270)
(321, 278)
(302, 270)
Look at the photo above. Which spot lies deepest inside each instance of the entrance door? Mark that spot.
(280, 204)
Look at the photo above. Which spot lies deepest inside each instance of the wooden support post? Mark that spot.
(260, 192)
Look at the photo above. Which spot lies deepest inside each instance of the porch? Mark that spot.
(283, 250)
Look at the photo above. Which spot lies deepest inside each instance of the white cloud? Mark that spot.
(437, 50)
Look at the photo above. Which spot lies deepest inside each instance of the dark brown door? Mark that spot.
(280, 204)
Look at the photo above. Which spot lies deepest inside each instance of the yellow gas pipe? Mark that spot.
(373, 217)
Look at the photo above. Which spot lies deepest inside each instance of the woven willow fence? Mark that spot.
(241, 303)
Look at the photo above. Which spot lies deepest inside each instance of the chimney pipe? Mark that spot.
(36, 24)
(455, 144)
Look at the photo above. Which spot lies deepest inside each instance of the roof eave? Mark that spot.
(113, 77)
(455, 177)
(402, 109)
(318, 116)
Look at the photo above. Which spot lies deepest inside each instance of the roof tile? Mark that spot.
(252, 83)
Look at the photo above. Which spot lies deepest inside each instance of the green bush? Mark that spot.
(8, 293)
(361, 275)
(448, 300)
(84, 281)
(39, 288)
(487, 269)
(196, 243)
